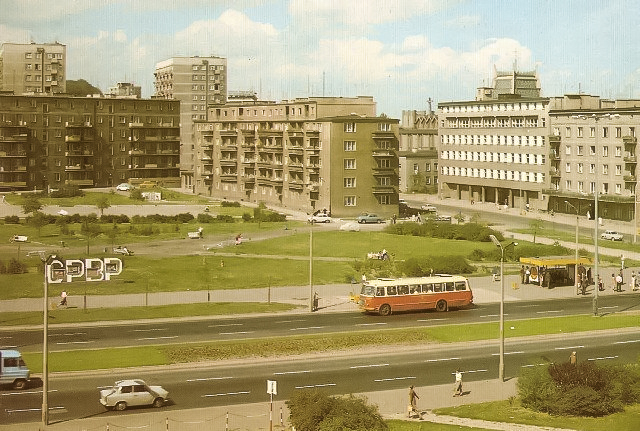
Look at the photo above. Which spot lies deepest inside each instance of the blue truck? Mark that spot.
(13, 370)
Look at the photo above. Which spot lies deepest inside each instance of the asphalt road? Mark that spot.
(76, 396)
(181, 331)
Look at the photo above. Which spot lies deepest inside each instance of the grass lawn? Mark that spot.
(295, 345)
(505, 411)
(115, 198)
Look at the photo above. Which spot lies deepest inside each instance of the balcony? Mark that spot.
(554, 140)
(228, 162)
(79, 183)
(72, 138)
(380, 189)
(629, 140)
(630, 179)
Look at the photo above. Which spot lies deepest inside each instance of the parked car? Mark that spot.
(122, 250)
(319, 218)
(369, 218)
(350, 226)
(611, 235)
(123, 187)
(429, 208)
(148, 184)
(133, 392)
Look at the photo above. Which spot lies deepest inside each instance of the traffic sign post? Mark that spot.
(272, 389)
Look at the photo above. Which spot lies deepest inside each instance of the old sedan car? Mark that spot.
(612, 235)
(319, 218)
(136, 392)
(123, 187)
(369, 218)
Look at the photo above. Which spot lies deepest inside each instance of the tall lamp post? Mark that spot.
(577, 233)
(311, 296)
(497, 243)
(596, 118)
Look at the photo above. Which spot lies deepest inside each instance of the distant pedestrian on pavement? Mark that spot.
(619, 282)
(632, 283)
(457, 389)
(522, 274)
(413, 396)
(63, 299)
(600, 284)
(573, 359)
(613, 281)
(527, 273)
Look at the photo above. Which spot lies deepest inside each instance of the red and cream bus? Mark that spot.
(439, 292)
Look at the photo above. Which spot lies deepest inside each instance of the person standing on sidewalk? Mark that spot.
(573, 359)
(457, 389)
(413, 396)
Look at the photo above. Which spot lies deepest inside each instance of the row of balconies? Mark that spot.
(15, 138)
(13, 184)
(78, 167)
(13, 168)
(13, 154)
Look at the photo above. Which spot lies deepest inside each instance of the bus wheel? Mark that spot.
(385, 310)
(441, 305)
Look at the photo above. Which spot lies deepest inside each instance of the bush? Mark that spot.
(584, 389)
(230, 204)
(115, 219)
(312, 410)
(421, 267)
(246, 217)
(204, 218)
(14, 219)
(67, 192)
(225, 218)
(16, 267)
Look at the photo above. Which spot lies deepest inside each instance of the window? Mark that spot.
(567, 150)
(568, 185)
(592, 150)
(567, 167)
(580, 168)
(605, 151)
(349, 163)
(605, 132)
(350, 127)
(384, 163)
(592, 170)
(567, 132)
(592, 132)
(618, 169)
(349, 182)
(618, 132)
(349, 145)
(349, 201)
(580, 132)
(580, 150)
(605, 169)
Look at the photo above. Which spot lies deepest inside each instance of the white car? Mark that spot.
(429, 208)
(350, 226)
(132, 392)
(319, 218)
(611, 235)
(123, 187)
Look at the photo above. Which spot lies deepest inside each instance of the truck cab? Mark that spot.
(13, 370)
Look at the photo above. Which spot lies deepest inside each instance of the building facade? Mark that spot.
(33, 68)
(54, 141)
(593, 148)
(418, 155)
(306, 154)
(197, 82)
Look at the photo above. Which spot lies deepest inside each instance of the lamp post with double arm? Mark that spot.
(577, 233)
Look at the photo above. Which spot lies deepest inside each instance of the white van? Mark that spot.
(13, 370)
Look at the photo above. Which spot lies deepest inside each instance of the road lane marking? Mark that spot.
(609, 307)
(627, 342)
(472, 371)
(150, 330)
(569, 348)
(442, 359)
(51, 409)
(236, 333)
(493, 315)
(395, 378)
(70, 334)
(369, 366)
(431, 320)
(508, 353)
(549, 311)
(206, 379)
(26, 392)
(528, 305)
(307, 328)
(291, 321)
(321, 385)
(62, 343)
(225, 325)
(370, 324)
(282, 373)
(157, 338)
(533, 365)
(603, 358)
(226, 394)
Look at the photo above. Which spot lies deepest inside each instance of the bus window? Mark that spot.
(437, 287)
(414, 288)
(380, 291)
(461, 285)
(392, 290)
(449, 286)
(426, 288)
(403, 289)
(367, 290)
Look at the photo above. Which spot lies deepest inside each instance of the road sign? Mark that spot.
(272, 387)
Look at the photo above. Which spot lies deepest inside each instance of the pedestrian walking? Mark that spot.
(600, 284)
(613, 281)
(632, 283)
(522, 274)
(619, 282)
(413, 396)
(63, 299)
(527, 274)
(457, 389)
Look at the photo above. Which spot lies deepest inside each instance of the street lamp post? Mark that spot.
(595, 117)
(311, 298)
(497, 243)
(577, 233)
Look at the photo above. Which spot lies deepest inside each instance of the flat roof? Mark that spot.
(555, 260)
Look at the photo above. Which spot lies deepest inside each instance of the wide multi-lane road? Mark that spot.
(123, 334)
(238, 382)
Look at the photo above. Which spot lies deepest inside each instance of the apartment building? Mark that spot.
(593, 148)
(197, 82)
(33, 68)
(306, 154)
(418, 154)
(51, 141)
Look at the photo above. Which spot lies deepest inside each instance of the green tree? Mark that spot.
(38, 220)
(103, 204)
(81, 88)
(535, 226)
(31, 204)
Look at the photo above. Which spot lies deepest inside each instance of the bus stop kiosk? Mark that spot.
(553, 271)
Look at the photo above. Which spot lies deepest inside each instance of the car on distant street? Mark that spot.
(319, 218)
(369, 218)
(350, 226)
(611, 235)
(124, 187)
(122, 250)
(148, 184)
(429, 208)
(132, 392)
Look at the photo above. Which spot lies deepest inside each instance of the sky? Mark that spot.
(401, 52)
